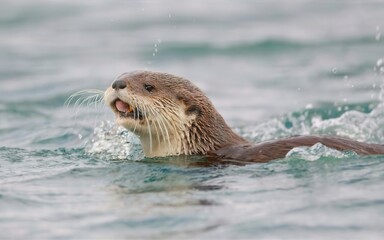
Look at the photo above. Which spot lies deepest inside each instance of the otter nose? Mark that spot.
(119, 84)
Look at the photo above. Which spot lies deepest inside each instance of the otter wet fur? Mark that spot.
(173, 117)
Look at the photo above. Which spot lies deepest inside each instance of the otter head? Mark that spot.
(170, 115)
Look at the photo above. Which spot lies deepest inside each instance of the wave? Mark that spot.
(22, 165)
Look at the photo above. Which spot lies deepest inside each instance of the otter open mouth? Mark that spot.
(125, 110)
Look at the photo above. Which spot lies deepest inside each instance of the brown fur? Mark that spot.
(207, 133)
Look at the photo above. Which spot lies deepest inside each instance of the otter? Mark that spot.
(172, 116)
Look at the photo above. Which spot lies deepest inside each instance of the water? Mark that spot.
(273, 69)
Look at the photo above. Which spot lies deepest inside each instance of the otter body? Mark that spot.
(172, 116)
(270, 150)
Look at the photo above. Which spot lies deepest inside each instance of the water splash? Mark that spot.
(379, 68)
(156, 47)
(111, 141)
(316, 152)
(359, 122)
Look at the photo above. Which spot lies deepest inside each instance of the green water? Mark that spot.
(272, 68)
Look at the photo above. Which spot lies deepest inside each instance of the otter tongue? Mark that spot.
(122, 106)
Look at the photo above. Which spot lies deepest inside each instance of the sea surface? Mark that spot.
(272, 68)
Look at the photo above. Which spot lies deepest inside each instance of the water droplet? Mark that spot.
(345, 99)
(159, 40)
(378, 36)
(309, 106)
(379, 62)
(334, 70)
(153, 54)
(155, 45)
(80, 136)
(346, 77)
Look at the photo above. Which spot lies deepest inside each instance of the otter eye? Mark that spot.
(148, 87)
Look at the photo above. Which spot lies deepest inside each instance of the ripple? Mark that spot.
(270, 46)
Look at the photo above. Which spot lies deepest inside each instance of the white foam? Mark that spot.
(317, 152)
(114, 142)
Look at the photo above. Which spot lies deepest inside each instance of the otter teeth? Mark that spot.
(130, 109)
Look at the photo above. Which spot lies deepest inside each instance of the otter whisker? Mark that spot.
(163, 134)
(161, 118)
(154, 118)
(164, 131)
(81, 95)
(89, 100)
(99, 99)
(163, 128)
(149, 130)
(135, 104)
(170, 120)
(141, 105)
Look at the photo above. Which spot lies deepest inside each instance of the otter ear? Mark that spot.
(191, 107)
